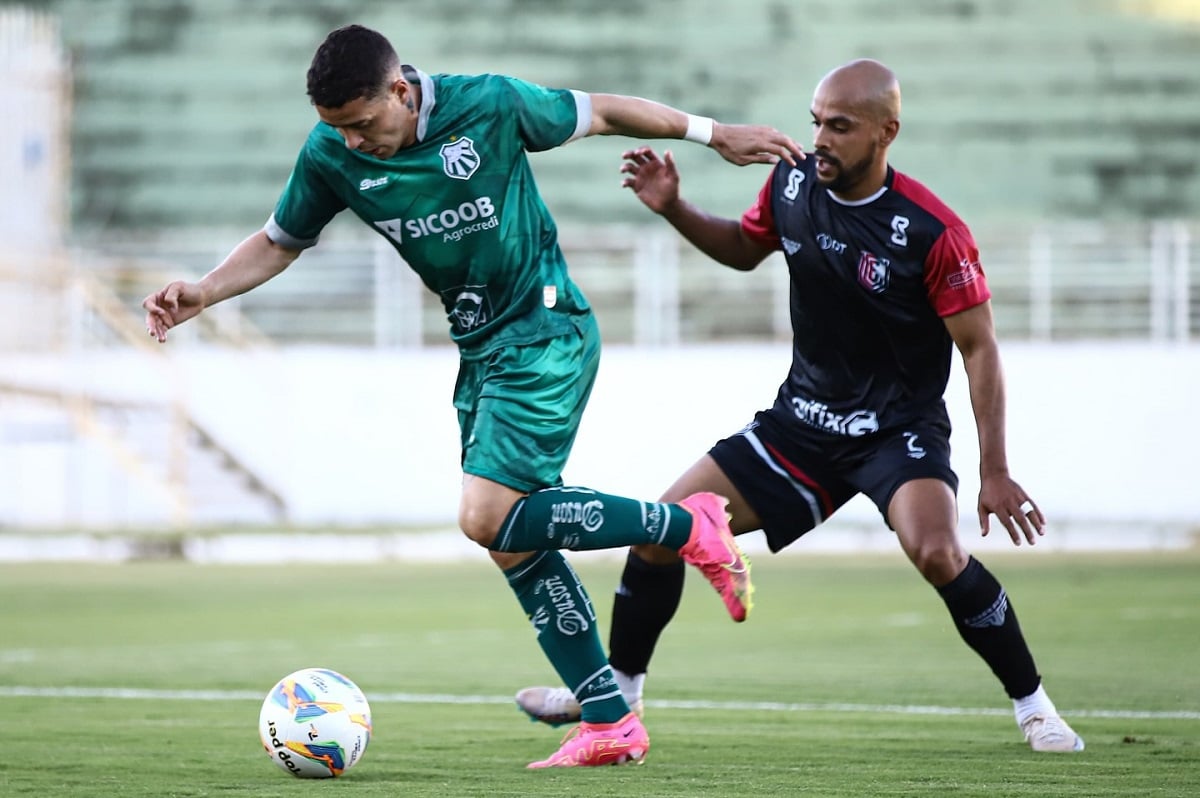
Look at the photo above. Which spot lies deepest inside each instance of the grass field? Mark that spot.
(145, 679)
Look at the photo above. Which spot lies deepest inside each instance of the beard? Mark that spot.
(848, 177)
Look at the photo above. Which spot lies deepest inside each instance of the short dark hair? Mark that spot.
(352, 62)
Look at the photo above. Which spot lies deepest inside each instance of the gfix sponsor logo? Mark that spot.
(452, 224)
(817, 414)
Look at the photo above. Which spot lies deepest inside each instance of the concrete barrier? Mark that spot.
(1101, 435)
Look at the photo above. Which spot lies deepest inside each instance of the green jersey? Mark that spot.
(459, 204)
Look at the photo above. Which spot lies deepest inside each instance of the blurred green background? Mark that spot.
(189, 112)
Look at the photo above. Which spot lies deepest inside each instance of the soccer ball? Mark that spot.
(315, 724)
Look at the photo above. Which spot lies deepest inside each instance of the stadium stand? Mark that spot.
(1015, 110)
(187, 115)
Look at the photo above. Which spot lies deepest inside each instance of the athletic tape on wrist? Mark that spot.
(699, 129)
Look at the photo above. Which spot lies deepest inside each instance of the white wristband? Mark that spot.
(699, 129)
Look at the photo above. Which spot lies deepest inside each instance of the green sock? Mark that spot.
(554, 600)
(582, 519)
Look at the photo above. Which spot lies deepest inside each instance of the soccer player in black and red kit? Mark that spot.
(885, 281)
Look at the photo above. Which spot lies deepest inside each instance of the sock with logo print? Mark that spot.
(987, 622)
(582, 520)
(556, 603)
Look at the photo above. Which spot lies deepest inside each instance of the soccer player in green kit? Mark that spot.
(437, 164)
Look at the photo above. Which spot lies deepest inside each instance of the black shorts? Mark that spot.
(796, 477)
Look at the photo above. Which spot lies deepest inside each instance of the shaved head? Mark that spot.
(856, 117)
(865, 85)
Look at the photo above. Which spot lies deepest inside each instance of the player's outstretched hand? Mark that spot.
(999, 495)
(746, 144)
(173, 305)
(655, 181)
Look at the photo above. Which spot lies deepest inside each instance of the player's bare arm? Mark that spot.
(974, 334)
(249, 265)
(655, 181)
(620, 115)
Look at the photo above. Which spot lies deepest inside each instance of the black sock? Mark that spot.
(988, 623)
(645, 602)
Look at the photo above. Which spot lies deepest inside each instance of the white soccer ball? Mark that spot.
(315, 723)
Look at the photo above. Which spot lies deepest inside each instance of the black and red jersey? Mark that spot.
(870, 283)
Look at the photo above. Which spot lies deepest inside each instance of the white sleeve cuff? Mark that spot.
(583, 115)
(285, 239)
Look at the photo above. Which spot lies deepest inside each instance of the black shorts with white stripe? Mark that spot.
(796, 476)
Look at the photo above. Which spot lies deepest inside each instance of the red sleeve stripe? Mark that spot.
(925, 199)
(954, 277)
(758, 222)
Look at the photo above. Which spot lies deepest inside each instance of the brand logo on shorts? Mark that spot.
(854, 424)
(914, 451)
(459, 159)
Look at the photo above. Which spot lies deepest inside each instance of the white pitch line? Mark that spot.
(135, 693)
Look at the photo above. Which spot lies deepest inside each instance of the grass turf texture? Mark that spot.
(844, 651)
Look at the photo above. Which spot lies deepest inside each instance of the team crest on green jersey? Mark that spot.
(459, 159)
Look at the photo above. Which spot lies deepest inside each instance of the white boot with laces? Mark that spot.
(1044, 729)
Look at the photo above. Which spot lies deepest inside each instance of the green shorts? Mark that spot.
(519, 407)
